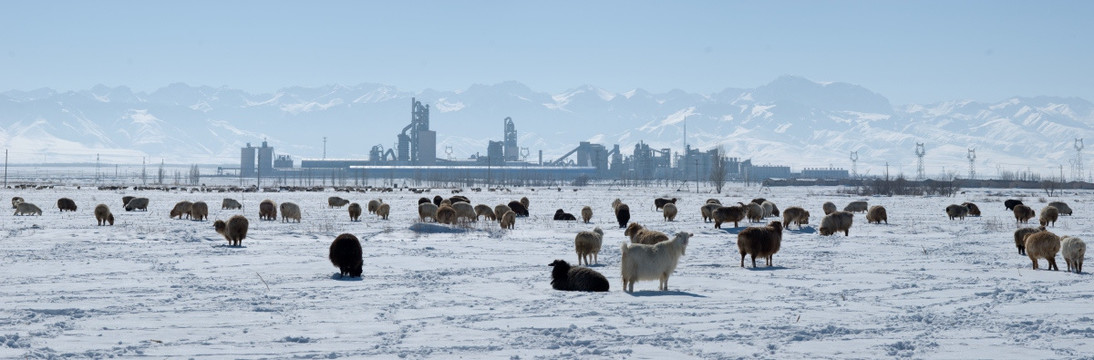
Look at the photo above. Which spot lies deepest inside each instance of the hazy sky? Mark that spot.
(911, 52)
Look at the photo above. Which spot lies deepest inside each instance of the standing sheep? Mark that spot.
(15, 201)
(587, 244)
(755, 211)
(669, 211)
(500, 210)
(465, 210)
(567, 278)
(1061, 207)
(354, 212)
(66, 204)
(836, 222)
(446, 215)
(708, 211)
(335, 201)
(641, 235)
(1074, 250)
(1023, 213)
(1020, 237)
(199, 211)
(973, 209)
(623, 215)
(648, 262)
(127, 199)
(103, 215)
(383, 211)
(1011, 203)
(1049, 214)
(659, 203)
(586, 214)
(25, 208)
(877, 214)
(519, 208)
(770, 209)
(235, 230)
(616, 203)
(727, 214)
(267, 210)
(374, 204)
(524, 202)
(955, 211)
(508, 220)
(345, 254)
(796, 215)
(181, 208)
(856, 206)
(230, 204)
(290, 211)
(760, 241)
(829, 207)
(137, 204)
(1043, 245)
(427, 211)
(485, 211)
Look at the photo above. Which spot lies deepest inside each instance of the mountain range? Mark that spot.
(790, 121)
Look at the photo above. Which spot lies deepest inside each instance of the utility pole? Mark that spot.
(324, 148)
(144, 171)
(5, 167)
(97, 168)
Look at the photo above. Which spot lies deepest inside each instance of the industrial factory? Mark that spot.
(415, 157)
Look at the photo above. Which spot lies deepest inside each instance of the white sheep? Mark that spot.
(586, 214)
(289, 211)
(648, 262)
(465, 210)
(1074, 250)
(669, 211)
(587, 244)
(427, 210)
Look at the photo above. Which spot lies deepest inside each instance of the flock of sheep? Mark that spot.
(649, 255)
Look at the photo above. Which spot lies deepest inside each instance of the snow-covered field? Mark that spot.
(921, 286)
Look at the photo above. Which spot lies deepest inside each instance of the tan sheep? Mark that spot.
(1020, 237)
(383, 211)
(641, 235)
(235, 230)
(836, 222)
(1049, 214)
(795, 215)
(669, 211)
(1061, 207)
(1074, 250)
(770, 209)
(355, 212)
(524, 201)
(508, 220)
(955, 211)
(856, 206)
(973, 209)
(586, 215)
(1023, 213)
(708, 211)
(485, 211)
(374, 205)
(199, 211)
(755, 211)
(103, 215)
(181, 208)
(267, 210)
(500, 210)
(587, 244)
(727, 214)
(1043, 245)
(446, 214)
(829, 208)
(877, 214)
(763, 241)
(290, 211)
(230, 204)
(465, 211)
(427, 211)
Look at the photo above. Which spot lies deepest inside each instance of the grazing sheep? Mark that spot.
(955, 211)
(289, 211)
(713, 201)
(446, 215)
(648, 262)
(181, 208)
(587, 244)
(659, 203)
(518, 208)
(623, 215)
(335, 201)
(1023, 213)
(754, 211)
(1062, 207)
(877, 214)
(500, 211)
(485, 211)
(508, 220)
(586, 214)
(355, 212)
(836, 222)
(1049, 214)
(1011, 203)
(1020, 237)
(375, 204)
(199, 211)
(973, 209)
(561, 215)
(829, 207)
(427, 210)
(137, 204)
(15, 201)
(103, 215)
(125, 200)
(567, 278)
(770, 208)
(25, 208)
(230, 204)
(524, 201)
(437, 200)
(725, 214)
(796, 215)
(758, 201)
(641, 235)
(708, 211)
(1074, 250)
(383, 211)
(345, 254)
(267, 210)
(669, 211)
(760, 241)
(465, 210)
(856, 206)
(235, 230)
(1043, 245)
(66, 204)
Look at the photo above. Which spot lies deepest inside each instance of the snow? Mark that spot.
(921, 286)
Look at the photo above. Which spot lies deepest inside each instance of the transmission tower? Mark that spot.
(448, 151)
(972, 163)
(854, 164)
(919, 152)
(1077, 165)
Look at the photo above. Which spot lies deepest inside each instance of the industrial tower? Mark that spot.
(1077, 165)
(919, 152)
(854, 164)
(972, 163)
(511, 151)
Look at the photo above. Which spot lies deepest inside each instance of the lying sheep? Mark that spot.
(199, 211)
(181, 208)
(708, 211)
(754, 211)
(877, 214)
(761, 241)
(586, 214)
(464, 210)
(796, 215)
(427, 211)
(25, 208)
(15, 201)
(500, 210)
(518, 208)
(1074, 250)
(836, 222)
(856, 206)
(725, 214)
(355, 212)
(127, 199)
(485, 211)
(508, 220)
(1020, 237)
(659, 203)
(561, 215)
(524, 202)
(66, 204)
(230, 204)
(290, 211)
(623, 215)
(1011, 203)
(1049, 214)
(955, 211)
(1043, 245)
(374, 204)
(383, 211)
(345, 254)
(103, 215)
(235, 230)
(587, 244)
(137, 204)
(641, 235)
(669, 211)
(1061, 207)
(335, 201)
(973, 209)
(567, 278)
(1023, 213)
(648, 262)
(770, 209)
(267, 210)
(829, 207)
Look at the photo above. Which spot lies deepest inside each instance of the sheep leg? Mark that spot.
(1034, 263)
(595, 260)
(1068, 261)
(742, 259)
(847, 232)
(1052, 264)
(753, 261)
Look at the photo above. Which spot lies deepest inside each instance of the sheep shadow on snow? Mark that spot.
(760, 267)
(339, 277)
(647, 293)
(803, 230)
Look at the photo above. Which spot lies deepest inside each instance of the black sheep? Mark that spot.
(563, 216)
(437, 200)
(458, 198)
(659, 203)
(66, 204)
(623, 215)
(345, 253)
(567, 278)
(1011, 203)
(423, 201)
(518, 208)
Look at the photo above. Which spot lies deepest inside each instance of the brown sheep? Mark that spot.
(955, 211)
(66, 204)
(708, 211)
(659, 203)
(446, 215)
(383, 211)
(586, 215)
(345, 254)
(1049, 214)
(727, 214)
(856, 206)
(524, 201)
(374, 204)
(755, 211)
(181, 208)
(669, 211)
(1023, 213)
(829, 208)
(760, 241)
(103, 215)
(500, 211)
(1043, 245)
(267, 210)
(427, 211)
(199, 211)
(508, 220)
(1020, 237)
(485, 211)
(641, 235)
(973, 209)
(355, 212)
(796, 215)
(289, 211)
(235, 230)
(877, 214)
(836, 222)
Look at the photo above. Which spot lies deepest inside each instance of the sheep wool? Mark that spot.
(567, 278)
(761, 241)
(1074, 250)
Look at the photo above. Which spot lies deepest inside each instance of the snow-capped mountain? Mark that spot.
(792, 121)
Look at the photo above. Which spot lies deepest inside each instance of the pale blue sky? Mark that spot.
(911, 52)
